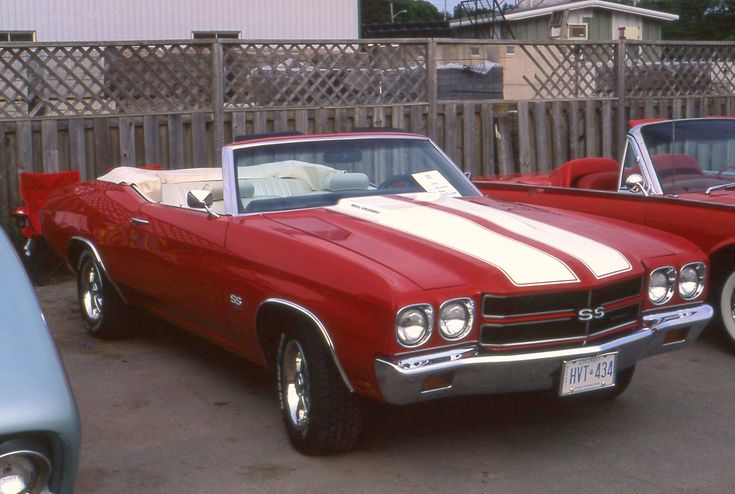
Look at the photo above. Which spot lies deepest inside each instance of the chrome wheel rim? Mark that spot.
(92, 299)
(295, 385)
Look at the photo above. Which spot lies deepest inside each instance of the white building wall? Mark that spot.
(122, 20)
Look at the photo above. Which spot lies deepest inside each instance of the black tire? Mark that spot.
(321, 416)
(102, 308)
(622, 381)
(725, 303)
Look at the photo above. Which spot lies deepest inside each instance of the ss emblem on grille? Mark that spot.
(589, 314)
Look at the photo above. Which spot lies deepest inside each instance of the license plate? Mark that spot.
(587, 374)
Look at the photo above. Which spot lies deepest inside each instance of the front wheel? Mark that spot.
(727, 307)
(101, 306)
(320, 414)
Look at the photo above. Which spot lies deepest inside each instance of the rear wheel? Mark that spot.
(102, 308)
(727, 307)
(321, 416)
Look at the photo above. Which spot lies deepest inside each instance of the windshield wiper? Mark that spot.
(718, 187)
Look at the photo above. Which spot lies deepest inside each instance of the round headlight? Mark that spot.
(23, 471)
(413, 325)
(455, 318)
(691, 280)
(661, 285)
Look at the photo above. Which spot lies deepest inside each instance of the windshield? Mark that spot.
(692, 155)
(319, 172)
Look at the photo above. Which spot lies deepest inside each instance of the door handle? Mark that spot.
(139, 221)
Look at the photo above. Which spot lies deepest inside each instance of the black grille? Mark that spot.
(544, 303)
(567, 327)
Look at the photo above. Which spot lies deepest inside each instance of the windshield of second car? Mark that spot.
(316, 172)
(692, 155)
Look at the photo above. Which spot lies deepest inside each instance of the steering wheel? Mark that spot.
(403, 181)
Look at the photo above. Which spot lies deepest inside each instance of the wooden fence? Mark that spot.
(95, 121)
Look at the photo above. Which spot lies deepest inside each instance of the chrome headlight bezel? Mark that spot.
(669, 272)
(41, 468)
(700, 270)
(468, 305)
(426, 311)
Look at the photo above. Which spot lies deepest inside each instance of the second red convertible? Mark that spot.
(367, 265)
(677, 176)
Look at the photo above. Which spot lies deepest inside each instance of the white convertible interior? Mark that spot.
(270, 180)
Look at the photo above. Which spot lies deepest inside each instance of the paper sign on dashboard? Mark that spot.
(434, 181)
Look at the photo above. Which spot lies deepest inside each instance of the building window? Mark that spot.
(17, 36)
(216, 34)
(577, 31)
(510, 50)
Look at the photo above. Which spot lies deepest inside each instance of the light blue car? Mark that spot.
(39, 422)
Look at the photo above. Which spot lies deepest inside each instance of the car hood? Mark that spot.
(437, 241)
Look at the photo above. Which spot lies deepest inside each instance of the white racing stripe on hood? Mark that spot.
(600, 259)
(523, 264)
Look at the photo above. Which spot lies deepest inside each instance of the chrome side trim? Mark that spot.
(322, 329)
(97, 256)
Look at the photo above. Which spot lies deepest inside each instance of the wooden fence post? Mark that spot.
(218, 101)
(622, 124)
(431, 89)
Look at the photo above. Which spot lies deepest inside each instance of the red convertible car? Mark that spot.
(367, 265)
(677, 176)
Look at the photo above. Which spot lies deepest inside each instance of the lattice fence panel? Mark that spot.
(92, 80)
(680, 70)
(571, 70)
(276, 75)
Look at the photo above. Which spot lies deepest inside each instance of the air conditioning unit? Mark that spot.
(578, 31)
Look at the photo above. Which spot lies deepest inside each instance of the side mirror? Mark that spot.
(636, 184)
(201, 199)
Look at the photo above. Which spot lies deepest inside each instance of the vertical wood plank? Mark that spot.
(260, 125)
(525, 157)
(648, 109)
(378, 119)
(5, 171)
(487, 139)
(359, 116)
(543, 141)
(239, 125)
(561, 136)
(608, 130)
(690, 108)
(341, 122)
(469, 133)
(199, 141)
(77, 147)
(301, 121)
(280, 121)
(397, 117)
(591, 128)
(575, 150)
(676, 108)
(320, 121)
(450, 131)
(151, 140)
(50, 143)
(417, 119)
(102, 146)
(175, 142)
(506, 159)
(11, 157)
(730, 106)
(127, 141)
(23, 147)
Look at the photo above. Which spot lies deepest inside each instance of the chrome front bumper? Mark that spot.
(465, 371)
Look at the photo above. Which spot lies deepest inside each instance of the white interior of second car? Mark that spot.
(269, 180)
